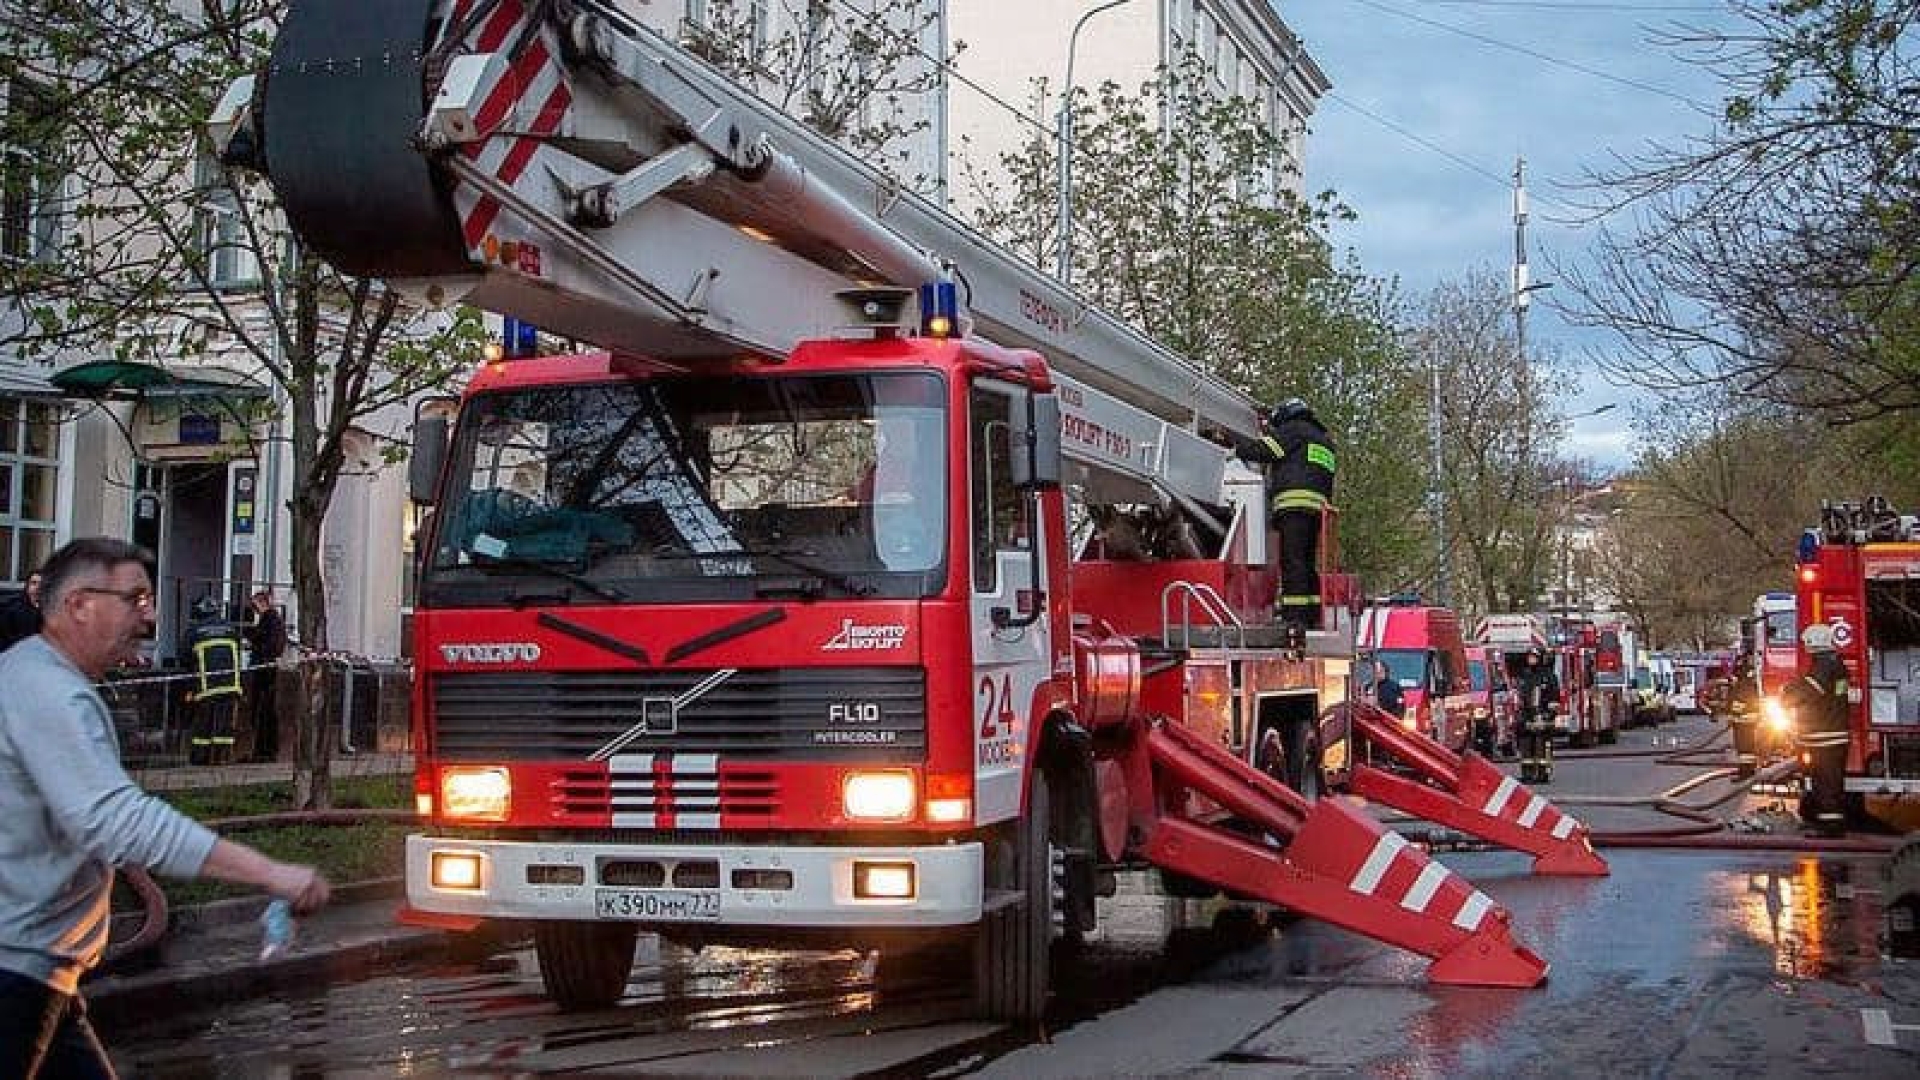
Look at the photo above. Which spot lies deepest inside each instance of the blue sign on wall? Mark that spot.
(196, 430)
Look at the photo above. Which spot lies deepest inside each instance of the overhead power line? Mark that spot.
(1524, 50)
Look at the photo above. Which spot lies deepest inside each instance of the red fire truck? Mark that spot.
(773, 621)
(1422, 649)
(1859, 573)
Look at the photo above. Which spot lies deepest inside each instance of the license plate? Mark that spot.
(657, 905)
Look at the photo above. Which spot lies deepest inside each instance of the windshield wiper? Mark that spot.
(508, 562)
(798, 559)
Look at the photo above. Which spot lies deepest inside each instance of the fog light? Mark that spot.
(423, 804)
(878, 796)
(477, 794)
(883, 880)
(949, 811)
(458, 870)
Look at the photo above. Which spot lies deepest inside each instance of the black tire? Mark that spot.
(585, 965)
(1012, 948)
(1610, 736)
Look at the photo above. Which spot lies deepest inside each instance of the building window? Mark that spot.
(231, 259)
(29, 484)
(32, 175)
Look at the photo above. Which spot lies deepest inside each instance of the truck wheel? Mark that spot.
(585, 965)
(1609, 736)
(1012, 948)
(1903, 898)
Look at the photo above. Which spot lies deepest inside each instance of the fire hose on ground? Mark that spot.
(154, 919)
(1703, 829)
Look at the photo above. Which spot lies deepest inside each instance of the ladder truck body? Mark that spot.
(1858, 573)
(816, 605)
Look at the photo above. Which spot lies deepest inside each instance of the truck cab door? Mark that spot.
(1011, 648)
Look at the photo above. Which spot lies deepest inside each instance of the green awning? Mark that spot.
(127, 378)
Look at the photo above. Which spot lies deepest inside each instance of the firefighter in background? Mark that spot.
(214, 647)
(1298, 455)
(1818, 700)
(1539, 691)
(1743, 704)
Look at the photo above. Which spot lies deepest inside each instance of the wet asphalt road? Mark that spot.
(1682, 963)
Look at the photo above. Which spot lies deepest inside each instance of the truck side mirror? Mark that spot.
(1039, 470)
(428, 456)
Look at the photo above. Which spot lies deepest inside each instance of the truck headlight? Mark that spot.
(1776, 716)
(476, 793)
(879, 796)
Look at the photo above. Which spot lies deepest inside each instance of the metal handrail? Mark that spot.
(1211, 604)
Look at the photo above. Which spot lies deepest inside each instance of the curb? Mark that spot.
(239, 909)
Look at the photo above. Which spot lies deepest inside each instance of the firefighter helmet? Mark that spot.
(1291, 409)
(1817, 638)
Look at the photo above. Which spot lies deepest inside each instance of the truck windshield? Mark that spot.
(1407, 666)
(696, 488)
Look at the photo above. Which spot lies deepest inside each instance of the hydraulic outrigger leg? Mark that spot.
(1335, 864)
(1466, 792)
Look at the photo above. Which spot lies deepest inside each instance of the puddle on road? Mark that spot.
(1808, 918)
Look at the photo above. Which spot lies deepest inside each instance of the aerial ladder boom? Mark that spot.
(581, 173)
(560, 163)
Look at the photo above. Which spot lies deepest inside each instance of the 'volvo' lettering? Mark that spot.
(491, 652)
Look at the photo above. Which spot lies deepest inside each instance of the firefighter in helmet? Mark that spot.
(1819, 703)
(1539, 690)
(1298, 455)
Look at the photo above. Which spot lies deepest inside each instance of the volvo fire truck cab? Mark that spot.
(820, 603)
(1859, 573)
(1423, 651)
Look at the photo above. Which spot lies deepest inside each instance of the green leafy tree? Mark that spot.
(1504, 485)
(1776, 255)
(860, 77)
(161, 254)
(1185, 226)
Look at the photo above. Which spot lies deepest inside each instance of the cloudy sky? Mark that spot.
(1434, 99)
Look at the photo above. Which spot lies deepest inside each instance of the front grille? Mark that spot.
(631, 791)
(793, 714)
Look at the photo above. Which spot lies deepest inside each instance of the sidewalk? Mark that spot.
(210, 955)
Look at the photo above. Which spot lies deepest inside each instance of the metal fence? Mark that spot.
(155, 712)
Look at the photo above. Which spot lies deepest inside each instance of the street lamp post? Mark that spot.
(1063, 250)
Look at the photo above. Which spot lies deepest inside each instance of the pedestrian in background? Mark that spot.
(20, 615)
(69, 814)
(1386, 691)
(266, 643)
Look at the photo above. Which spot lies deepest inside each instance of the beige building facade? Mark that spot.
(1012, 72)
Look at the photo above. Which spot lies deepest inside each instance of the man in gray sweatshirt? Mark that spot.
(69, 813)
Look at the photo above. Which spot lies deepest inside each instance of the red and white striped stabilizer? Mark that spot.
(1466, 792)
(1557, 840)
(1340, 866)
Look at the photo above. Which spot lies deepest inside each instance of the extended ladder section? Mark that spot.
(560, 163)
(1466, 792)
(1333, 863)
